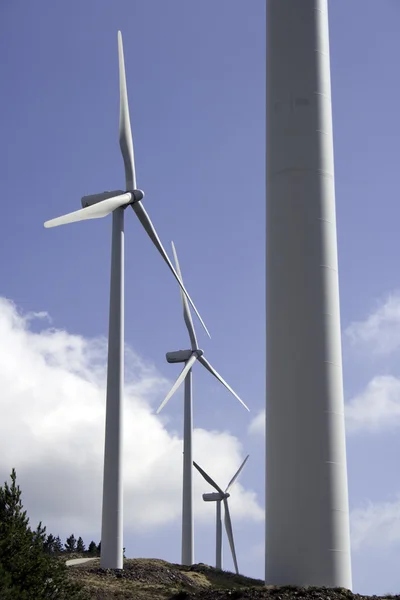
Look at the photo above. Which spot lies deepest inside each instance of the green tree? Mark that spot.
(27, 571)
(92, 549)
(9, 591)
(58, 547)
(49, 544)
(80, 546)
(99, 549)
(15, 535)
(70, 544)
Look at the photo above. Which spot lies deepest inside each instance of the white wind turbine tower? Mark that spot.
(189, 357)
(96, 206)
(218, 497)
(307, 509)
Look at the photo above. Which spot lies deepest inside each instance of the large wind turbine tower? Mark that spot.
(307, 517)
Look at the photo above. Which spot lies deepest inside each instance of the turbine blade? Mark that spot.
(178, 382)
(236, 475)
(125, 132)
(96, 211)
(229, 533)
(151, 232)
(207, 365)
(186, 310)
(208, 478)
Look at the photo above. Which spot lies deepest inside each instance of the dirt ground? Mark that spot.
(154, 579)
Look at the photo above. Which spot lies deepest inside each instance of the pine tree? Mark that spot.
(92, 550)
(58, 547)
(9, 591)
(49, 544)
(70, 544)
(80, 546)
(99, 549)
(27, 571)
(15, 534)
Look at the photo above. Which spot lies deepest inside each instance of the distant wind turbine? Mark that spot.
(222, 496)
(97, 206)
(189, 357)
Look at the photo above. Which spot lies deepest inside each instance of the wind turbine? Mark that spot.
(219, 497)
(189, 357)
(97, 206)
(307, 508)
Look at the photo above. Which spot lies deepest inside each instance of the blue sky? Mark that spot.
(196, 84)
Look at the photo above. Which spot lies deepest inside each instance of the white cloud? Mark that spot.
(377, 408)
(52, 403)
(376, 525)
(257, 425)
(379, 333)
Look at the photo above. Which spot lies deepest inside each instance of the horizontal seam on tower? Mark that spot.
(318, 171)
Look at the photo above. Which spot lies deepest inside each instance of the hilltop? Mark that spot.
(154, 579)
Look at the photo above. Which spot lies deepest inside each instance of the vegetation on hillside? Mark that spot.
(32, 567)
(153, 579)
(27, 570)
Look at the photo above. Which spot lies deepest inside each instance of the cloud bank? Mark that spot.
(377, 408)
(52, 403)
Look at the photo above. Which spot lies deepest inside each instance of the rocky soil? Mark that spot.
(153, 579)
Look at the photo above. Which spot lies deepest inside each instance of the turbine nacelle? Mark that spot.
(215, 496)
(189, 357)
(182, 356)
(86, 201)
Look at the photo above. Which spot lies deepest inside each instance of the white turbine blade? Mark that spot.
(207, 478)
(151, 232)
(229, 533)
(96, 211)
(125, 132)
(236, 475)
(179, 381)
(186, 310)
(207, 365)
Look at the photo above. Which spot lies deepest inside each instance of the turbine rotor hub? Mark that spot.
(137, 195)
